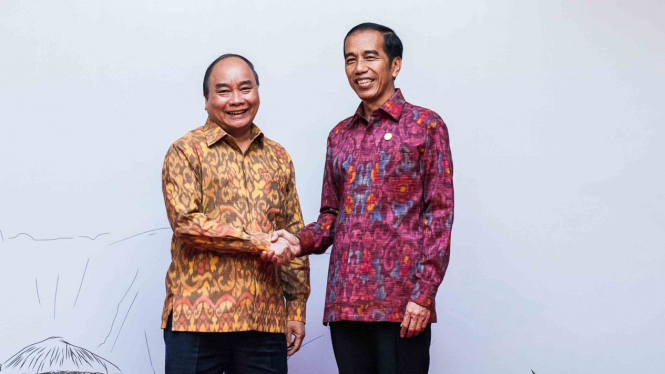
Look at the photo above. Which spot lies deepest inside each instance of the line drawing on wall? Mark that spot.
(38, 240)
(81, 285)
(148, 346)
(141, 233)
(318, 337)
(305, 343)
(51, 239)
(37, 288)
(96, 236)
(123, 321)
(55, 298)
(80, 236)
(56, 356)
(118, 308)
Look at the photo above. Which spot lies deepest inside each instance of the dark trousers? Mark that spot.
(376, 348)
(247, 352)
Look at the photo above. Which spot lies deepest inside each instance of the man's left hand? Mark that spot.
(295, 333)
(416, 318)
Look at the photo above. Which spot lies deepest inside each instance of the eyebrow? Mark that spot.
(367, 52)
(220, 85)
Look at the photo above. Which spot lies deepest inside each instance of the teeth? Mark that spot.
(363, 81)
(237, 112)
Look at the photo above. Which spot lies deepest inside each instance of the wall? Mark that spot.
(555, 116)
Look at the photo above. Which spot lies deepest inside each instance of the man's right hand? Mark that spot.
(280, 253)
(292, 239)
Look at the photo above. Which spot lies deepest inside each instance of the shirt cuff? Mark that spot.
(260, 240)
(424, 294)
(295, 310)
(306, 241)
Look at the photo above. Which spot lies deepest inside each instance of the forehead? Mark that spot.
(364, 40)
(231, 69)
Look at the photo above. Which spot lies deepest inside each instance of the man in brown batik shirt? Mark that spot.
(227, 187)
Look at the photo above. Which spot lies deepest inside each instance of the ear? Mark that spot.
(205, 107)
(396, 67)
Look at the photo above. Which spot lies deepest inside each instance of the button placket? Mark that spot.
(244, 178)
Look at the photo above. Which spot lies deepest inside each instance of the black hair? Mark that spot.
(206, 77)
(392, 45)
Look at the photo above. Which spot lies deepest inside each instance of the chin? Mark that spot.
(240, 126)
(366, 96)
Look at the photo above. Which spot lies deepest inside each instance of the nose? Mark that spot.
(236, 98)
(361, 66)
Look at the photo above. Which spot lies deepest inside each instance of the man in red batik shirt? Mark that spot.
(387, 208)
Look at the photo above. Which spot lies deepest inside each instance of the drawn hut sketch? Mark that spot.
(56, 356)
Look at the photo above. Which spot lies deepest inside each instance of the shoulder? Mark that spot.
(276, 150)
(422, 116)
(340, 127)
(189, 146)
(190, 140)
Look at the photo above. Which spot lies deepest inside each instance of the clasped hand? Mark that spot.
(284, 247)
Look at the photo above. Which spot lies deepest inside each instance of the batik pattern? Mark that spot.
(222, 205)
(387, 208)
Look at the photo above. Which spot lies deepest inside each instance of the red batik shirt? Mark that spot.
(387, 208)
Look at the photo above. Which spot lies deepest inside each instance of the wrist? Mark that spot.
(298, 247)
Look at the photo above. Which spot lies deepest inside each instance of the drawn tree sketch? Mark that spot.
(86, 288)
(56, 356)
(102, 291)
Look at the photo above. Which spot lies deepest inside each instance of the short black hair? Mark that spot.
(206, 77)
(392, 45)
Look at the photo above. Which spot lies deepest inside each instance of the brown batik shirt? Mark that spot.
(222, 205)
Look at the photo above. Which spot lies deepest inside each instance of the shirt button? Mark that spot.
(388, 136)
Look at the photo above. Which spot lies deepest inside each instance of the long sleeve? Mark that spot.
(437, 172)
(318, 236)
(294, 276)
(182, 195)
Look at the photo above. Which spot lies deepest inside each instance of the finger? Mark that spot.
(420, 321)
(287, 255)
(264, 256)
(419, 326)
(278, 260)
(424, 321)
(296, 345)
(289, 337)
(279, 234)
(273, 237)
(404, 325)
(412, 328)
(292, 239)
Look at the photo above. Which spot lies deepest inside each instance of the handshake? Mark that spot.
(284, 247)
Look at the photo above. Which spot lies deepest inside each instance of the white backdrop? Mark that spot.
(556, 121)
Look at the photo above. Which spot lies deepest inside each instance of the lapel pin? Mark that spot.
(388, 136)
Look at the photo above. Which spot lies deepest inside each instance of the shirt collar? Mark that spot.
(392, 107)
(214, 132)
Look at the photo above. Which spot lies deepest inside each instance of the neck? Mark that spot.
(243, 137)
(369, 107)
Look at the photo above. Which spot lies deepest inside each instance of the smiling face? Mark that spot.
(233, 96)
(370, 72)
